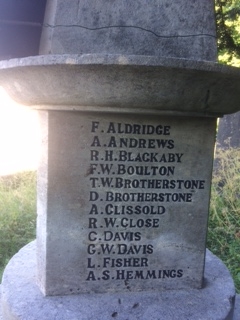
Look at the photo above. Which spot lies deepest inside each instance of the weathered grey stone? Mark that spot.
(236, 315)
(228, 135)
(22, 300)
(181, 29)
(92, 238)
(1, 318)
(115, 83)
(122, 202)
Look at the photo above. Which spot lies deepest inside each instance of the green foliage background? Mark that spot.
(17, 214)
(224, 217)
(224, 220)
(228, 31)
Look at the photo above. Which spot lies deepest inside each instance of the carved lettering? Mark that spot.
(135, 179)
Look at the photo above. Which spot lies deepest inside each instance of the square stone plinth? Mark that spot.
(122, 202)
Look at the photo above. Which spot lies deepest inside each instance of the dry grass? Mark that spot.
(224, 220)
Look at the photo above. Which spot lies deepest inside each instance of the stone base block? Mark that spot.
(21, 298)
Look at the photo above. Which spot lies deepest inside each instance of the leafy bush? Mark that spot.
(224, 220)
(17, 214)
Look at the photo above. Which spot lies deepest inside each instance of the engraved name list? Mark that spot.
(143, 188)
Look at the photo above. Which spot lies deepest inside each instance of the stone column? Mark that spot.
(128, 94)
(95, 160)
(182, 29)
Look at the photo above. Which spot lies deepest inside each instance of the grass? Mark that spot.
(224, 219)
(18, 212)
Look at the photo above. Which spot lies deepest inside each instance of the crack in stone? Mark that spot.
(206, 105)
(46, 25)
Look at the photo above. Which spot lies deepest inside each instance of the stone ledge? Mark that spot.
(237, 308)
(22, 299)
(121, 83)
(235, 317)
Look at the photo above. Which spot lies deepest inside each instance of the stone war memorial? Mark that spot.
(128, 94)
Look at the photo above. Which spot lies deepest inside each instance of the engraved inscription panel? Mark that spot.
(138, 217)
